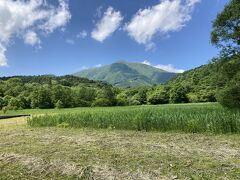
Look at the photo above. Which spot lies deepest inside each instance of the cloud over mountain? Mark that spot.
(165, 67)
(167, 16)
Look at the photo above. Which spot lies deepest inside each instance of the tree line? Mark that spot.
(51, 92)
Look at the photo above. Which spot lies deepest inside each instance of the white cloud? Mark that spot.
(98, 66)
(167, 16)
(167, 67)
(99, 12)
(146, 62)
(83, 34)
(58, 18)
(27, 19)
(3, 60)
(109, 23)
(70, 41)
(84, 68)
(31, 38)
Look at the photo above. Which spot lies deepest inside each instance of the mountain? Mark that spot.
(126, 74)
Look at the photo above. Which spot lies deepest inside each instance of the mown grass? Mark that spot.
(73, 153)
(193, 118)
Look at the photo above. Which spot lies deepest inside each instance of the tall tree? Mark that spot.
(226, 35)
(226, 29)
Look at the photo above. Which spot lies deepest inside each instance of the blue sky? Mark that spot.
(63, 37)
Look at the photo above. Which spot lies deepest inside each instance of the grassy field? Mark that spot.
(66, 153)
(84, 109)
(193, 118)
(121, 143)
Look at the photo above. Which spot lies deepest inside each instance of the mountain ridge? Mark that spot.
(127, 74)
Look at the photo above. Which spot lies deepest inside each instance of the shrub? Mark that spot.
(178, 95)
(59, 104)
(102, 102)
(1, 103)
(14, 104)
(121, 102)
(229, 96)
(5, 109)
(158, 97)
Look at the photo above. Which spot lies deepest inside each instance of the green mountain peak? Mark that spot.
(127, 74)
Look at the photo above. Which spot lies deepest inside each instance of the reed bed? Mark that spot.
(190, 118)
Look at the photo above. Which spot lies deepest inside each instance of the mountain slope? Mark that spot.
(125, 74)
(204, 83)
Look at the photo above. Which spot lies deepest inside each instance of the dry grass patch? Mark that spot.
(58, 153)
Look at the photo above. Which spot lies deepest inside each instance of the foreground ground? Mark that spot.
(58, 153)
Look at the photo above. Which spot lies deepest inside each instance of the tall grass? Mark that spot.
(187, 118)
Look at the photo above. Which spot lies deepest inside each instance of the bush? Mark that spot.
(59, 104)
(229, 96)
(1, 103)
(14, 104)
(41, 98)
(158, 97)
(82, 103)
(102, 102)
(121, 102)
(178, 94)
(134, 102)
(6, 99)
(5, 109)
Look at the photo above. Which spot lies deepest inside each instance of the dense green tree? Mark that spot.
(14, 103)
(6, 100)
(122, 99)
(226, 35)
(25, 100)
(159, 96)
(230, 96)
(107, 93)
(178, 94)
(141, 96)
(14, 90)
(41, 98)
(1, 103)
(102, 102)
(63, 94)
(226, 29)
(84, 96)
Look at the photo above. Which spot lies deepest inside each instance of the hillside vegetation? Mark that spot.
(24, 92)
(126, 74)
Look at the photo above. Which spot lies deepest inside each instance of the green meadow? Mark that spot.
(189, 118)
(190, 141)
